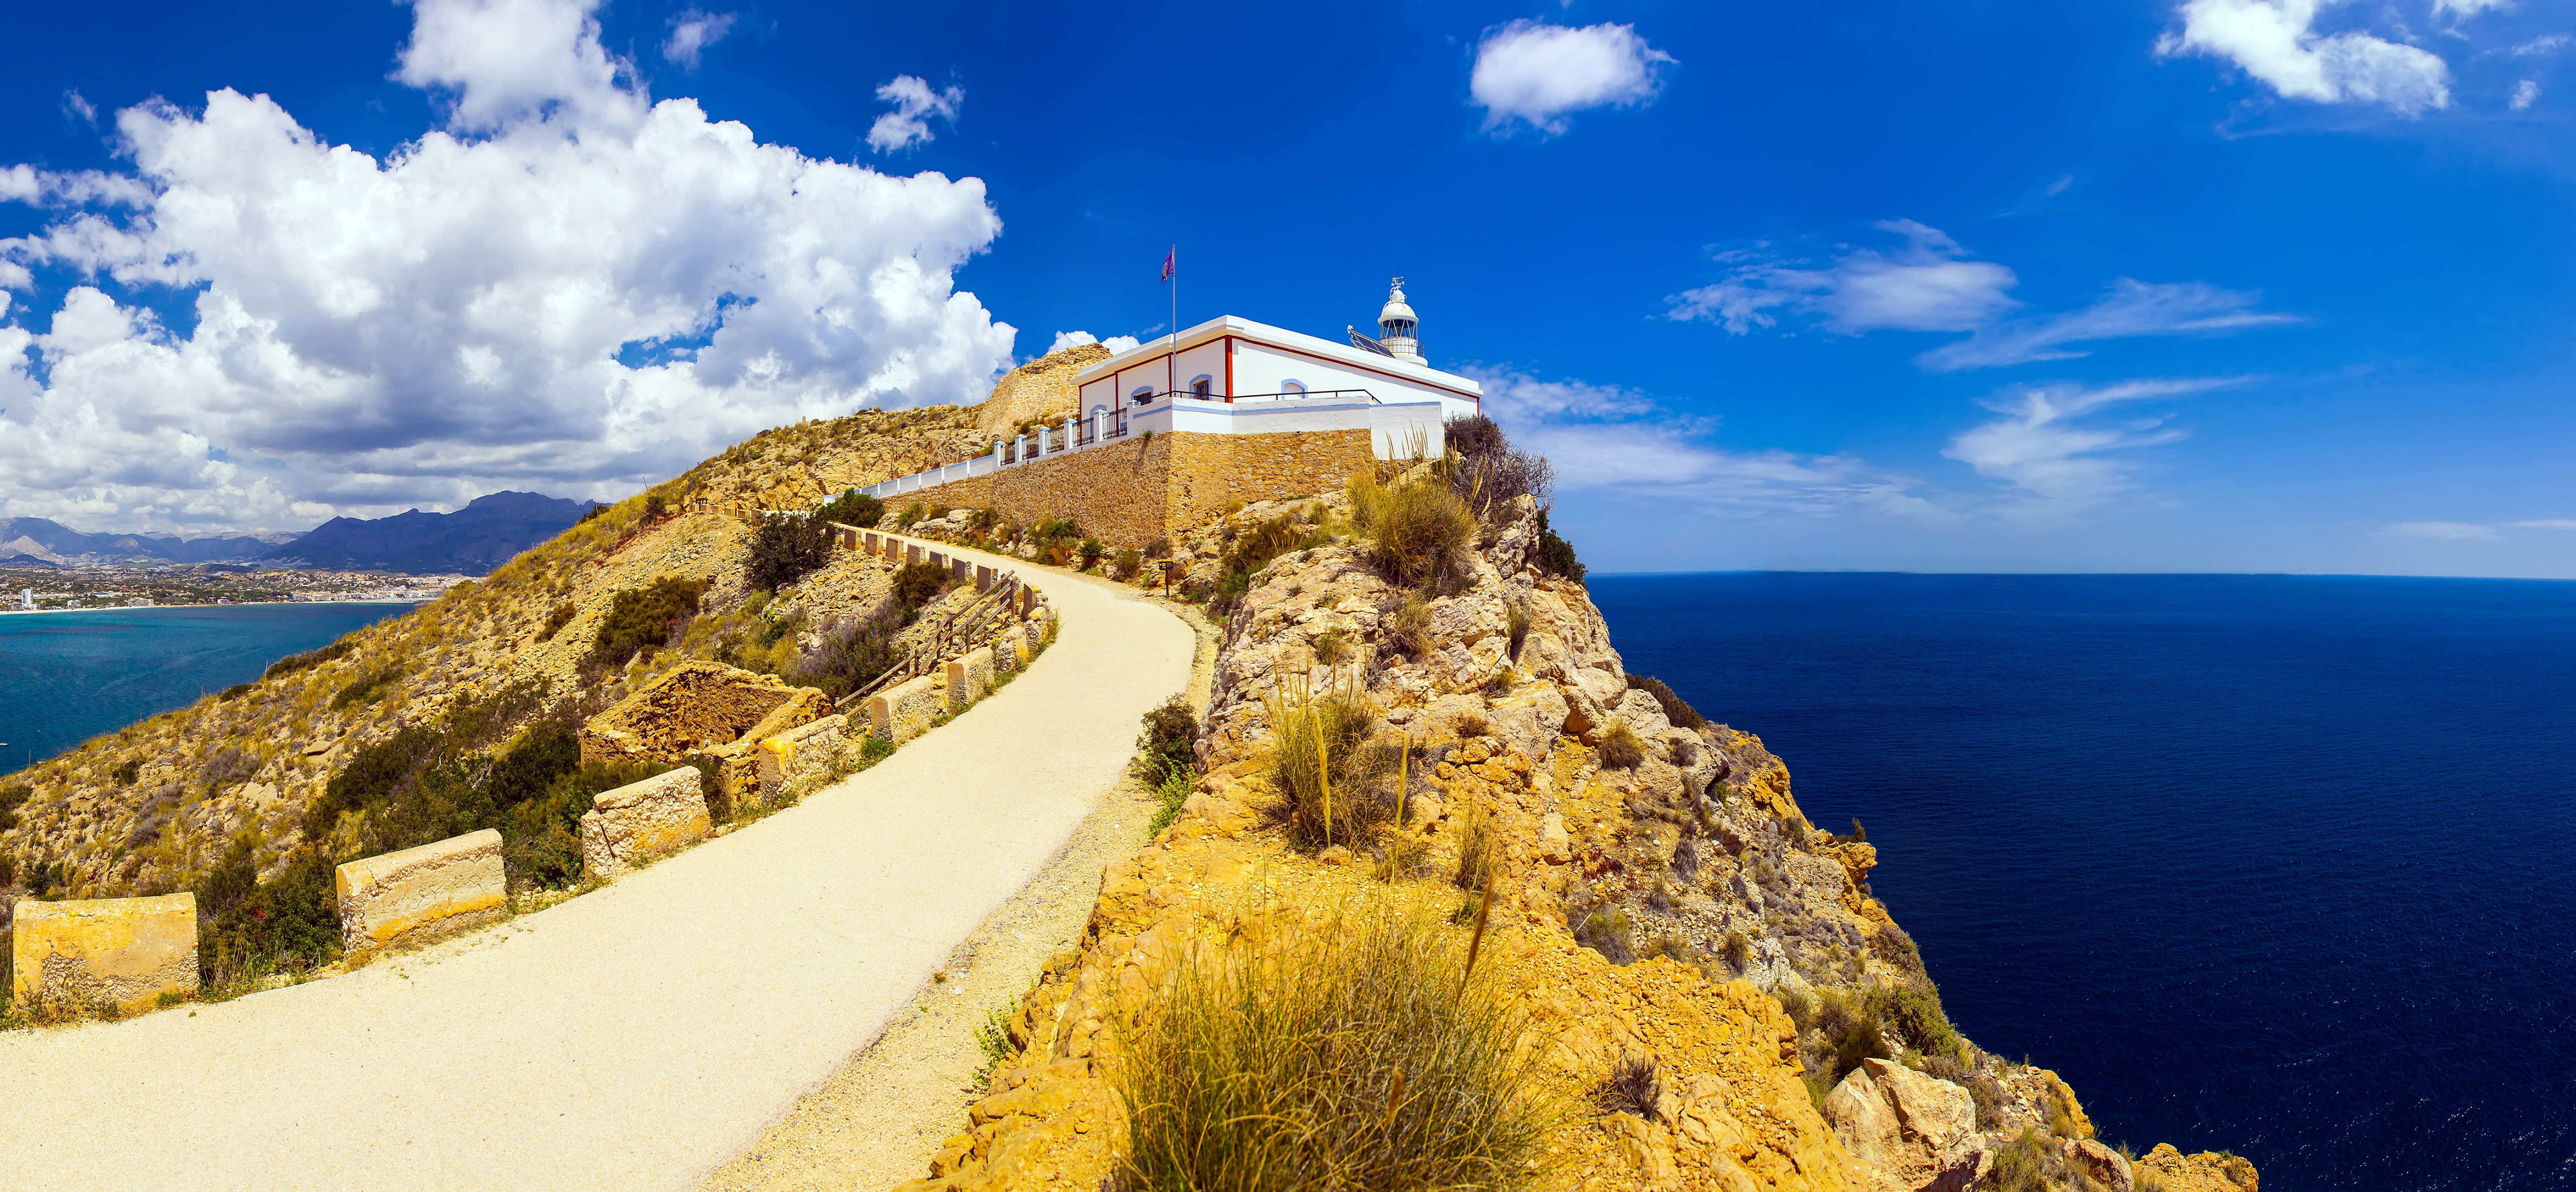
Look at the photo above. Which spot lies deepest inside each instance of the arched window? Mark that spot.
(1142, 395)
(1292, 388)
(1200, 386)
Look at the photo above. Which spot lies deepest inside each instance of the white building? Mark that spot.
(26, 598)
(1233, 376)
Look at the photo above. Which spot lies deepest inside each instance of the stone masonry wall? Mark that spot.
(1209, 473)
(1128, 494)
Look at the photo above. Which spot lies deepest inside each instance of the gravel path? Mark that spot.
(638, 1036)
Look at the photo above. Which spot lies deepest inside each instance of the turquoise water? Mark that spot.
(67, 677)
(2274, 864)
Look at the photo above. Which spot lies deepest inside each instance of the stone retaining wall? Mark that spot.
(638, 822)
(124, 952)
(1129, 494)
(452, 885)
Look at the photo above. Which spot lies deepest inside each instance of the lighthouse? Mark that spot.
(1397, 326)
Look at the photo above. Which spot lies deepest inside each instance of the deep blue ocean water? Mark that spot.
(2269, 864)
(67, 677)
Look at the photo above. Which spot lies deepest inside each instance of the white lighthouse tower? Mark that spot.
(1397, 326)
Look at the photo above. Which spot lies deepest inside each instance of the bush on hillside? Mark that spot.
(916, 585)
(1419, 533)
(556, 619)
(368, 688)
(1487, 472)
(647, 616)
(853, 508)
(309, 659)
(1555, 555)
(248, 928)
(1362, 1053)
(128, 770)
(1621, 748)
(854, 653)
(787, 549)
(1675, 708)
(1167, 746)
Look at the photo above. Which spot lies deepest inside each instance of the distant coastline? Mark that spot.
(145, 608)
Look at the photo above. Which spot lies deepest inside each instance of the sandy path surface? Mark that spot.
(880, 1120)
(638, 1036)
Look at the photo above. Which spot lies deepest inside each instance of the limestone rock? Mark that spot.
(2098, 1163)
(2204, 1172)
(1917, 1131)
(635, 823)
(1042, 389)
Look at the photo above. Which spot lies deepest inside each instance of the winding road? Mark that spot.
(637, 1036)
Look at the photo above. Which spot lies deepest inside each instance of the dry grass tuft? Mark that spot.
(1360, 1054)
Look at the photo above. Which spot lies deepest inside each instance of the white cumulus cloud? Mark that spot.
(691, 33)
(2276, 41)
(2525, 93)
(587, 292)
(1075, 339)
(915, 102)
(1539, 74)
(2464, 9)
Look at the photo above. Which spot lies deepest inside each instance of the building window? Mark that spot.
(1292, 388)
(1200, 385)
(1142, 395)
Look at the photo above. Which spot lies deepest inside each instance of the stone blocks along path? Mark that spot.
(637, 1036)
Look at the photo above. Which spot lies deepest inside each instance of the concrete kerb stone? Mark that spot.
(791, 755)
(905, 710)
(969, 678)
(637, 822)
(451, 885)
(121, 951)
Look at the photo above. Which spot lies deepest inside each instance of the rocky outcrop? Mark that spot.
(1919, 1134)
(2205, 1172)
(1040, 391)
(1671, 906)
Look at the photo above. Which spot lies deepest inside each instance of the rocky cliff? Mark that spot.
(1662, 913)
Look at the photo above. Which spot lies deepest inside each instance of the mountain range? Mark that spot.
(471, 541)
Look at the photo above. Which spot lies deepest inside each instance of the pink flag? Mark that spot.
(1170, 260)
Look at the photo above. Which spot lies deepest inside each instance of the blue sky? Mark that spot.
(2231, 285)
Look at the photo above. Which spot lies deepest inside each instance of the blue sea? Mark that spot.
(2268, 864)
(66, 677)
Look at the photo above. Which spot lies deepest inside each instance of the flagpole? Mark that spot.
(1173, 348)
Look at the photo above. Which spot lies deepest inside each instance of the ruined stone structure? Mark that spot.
(702, 708)
(451, 885)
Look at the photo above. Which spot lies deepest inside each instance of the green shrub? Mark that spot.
(127, 771)
(367, 689)
(1090, 552)
(248, 928)
(1916, 1016)
(1675, 709)
(853, 654)
(853, 508)
(1229, 592)
(787, 549)
(1556, 555)
(1331, 780)
(309, 659)
(918, 584)
(645, 616)
(1361, 1054)
(912, 514)
(236, 691)
(541, 838)
(1167, 744)
(1127, 563)
(1486, 471)
(556, 619)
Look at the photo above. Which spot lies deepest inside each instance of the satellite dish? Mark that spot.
(1366, 344)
